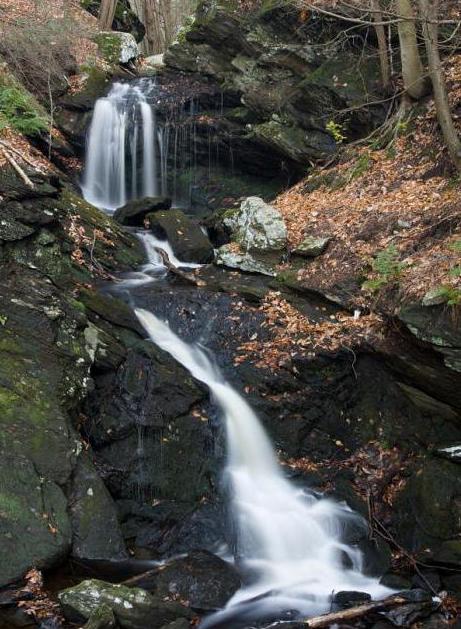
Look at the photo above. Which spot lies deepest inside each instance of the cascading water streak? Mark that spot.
(123, 133)
(290, 540)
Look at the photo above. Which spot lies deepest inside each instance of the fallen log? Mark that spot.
(189, 277)
(325, 620)
(17, 168)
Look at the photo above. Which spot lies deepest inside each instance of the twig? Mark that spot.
(17, 168)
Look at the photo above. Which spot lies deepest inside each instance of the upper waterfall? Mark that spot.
(122, 148)
(289, 539)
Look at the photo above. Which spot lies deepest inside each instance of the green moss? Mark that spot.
(19, 109)
(10, 507)
(109, 46)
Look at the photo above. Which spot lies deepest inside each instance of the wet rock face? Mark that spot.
(288, 89)
(134, 212)
(203, 579)
(46, 357)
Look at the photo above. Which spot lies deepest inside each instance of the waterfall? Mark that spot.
(134, 150)
(123, 133)
(289, 539)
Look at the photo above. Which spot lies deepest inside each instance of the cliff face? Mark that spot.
(285, 78)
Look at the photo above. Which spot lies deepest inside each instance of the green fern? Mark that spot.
(387, 268)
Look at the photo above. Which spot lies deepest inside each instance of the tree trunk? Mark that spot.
(382, 44)
(106, 14)
(429, 10)
(414, 80)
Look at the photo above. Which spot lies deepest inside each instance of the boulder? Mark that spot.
(233, 258)
(257, 226)
(117, 47)
(134, 212)
(201, 578)
(312, 246)
(185, 236)
(133, 608)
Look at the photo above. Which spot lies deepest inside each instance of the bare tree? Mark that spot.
(414, 78)
(382, 43)
(429, 13)
(162, 19)
(106, 14)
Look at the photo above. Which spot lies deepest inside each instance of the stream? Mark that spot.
(289, 546)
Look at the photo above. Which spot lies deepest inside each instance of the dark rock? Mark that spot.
(133, 608)
(201, 578)
(34, 528)
(95, 529)
(426, 511)
(343, 600)
(134, 212)
(395, 581)
(429, 581)
(188, 241)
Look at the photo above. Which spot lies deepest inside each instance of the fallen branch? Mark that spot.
(23, 157)
(354, 612)
(189, 277)
(17, 168)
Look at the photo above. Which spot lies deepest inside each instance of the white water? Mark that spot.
(123, 132)
(155, 269)
(289, 539)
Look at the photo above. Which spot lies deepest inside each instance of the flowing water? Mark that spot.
(133, 152)
(287, 538)
(290, 542)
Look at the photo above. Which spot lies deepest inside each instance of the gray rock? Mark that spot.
(188, 241)
(117, 47)
(134, 212)
(226, 256)
(133, 608)
(434, 297)
(257, 226)
(312, 246)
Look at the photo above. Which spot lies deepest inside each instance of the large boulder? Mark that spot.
(117, 47)
(257, 226)
(201, 578)
(134, 212)
(185, 236)
(133, 608)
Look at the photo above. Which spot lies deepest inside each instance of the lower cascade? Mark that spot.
(289, 540)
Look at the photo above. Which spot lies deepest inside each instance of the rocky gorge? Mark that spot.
(113, 453)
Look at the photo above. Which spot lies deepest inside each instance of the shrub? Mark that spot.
(386, 267)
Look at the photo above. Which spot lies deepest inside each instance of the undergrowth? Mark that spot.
(386, 267)
(19, 110)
